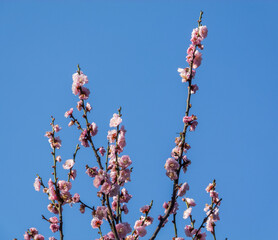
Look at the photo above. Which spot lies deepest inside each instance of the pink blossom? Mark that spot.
(121, 140)
(92, 172)
(79, 105)
(148, 220)
(209, 225)
(88, 107)
(112, 135)
(48, 134)
(193, 126)
(110, 236)
(216, 201)
(96, 223)
(69, 113)
(171, 164)
(52, 208)
(52, 238)
(68, 164)
(114, 190)
(123, 229)
(64, 186)
(55, 143)
(172, 175)
(115, 120)
(194, 88)
(210, 187)
(176, 152)
(183, 189)
(54, 227)
(185, 159)
(191, 49)
(138, 224)
(145, 209)
(85, 92)
(39, 237)
(105, 188)
(122, 130)
(215, 215)
(208, 207)
(187, 213)
(58, 159)
(188, 119)
(102, 151)
(195, 38)
(203, 31)
(37, 184)
(197, 59)
(76, 198)
(93, 129)
(101, 212)
(27, 236)
(165, 205)
(190, 202)
(124, 161)
(189, 231)
(51, 191)
(125, 209)
(56, 128)
(141, 231)
(127, 226)
(213, 194)
(80, 79)
(53, 220)
(84, 138)
(71, 123)
(185, 72)
(125, 196)
(178, 238)
(66, 196)
(112, 151)
(124, 176)
(114, 171)
(98, 180)
(33, 231)
(75, 88)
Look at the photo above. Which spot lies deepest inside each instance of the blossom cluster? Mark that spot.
(32, 233)
(194, 58)
(110, 181)
(212, 210)
(112, 170)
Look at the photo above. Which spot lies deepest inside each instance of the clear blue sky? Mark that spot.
(130, 51)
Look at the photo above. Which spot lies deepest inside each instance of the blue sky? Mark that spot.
(130, 51)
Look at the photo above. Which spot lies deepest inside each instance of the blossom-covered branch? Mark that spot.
(179, 161)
